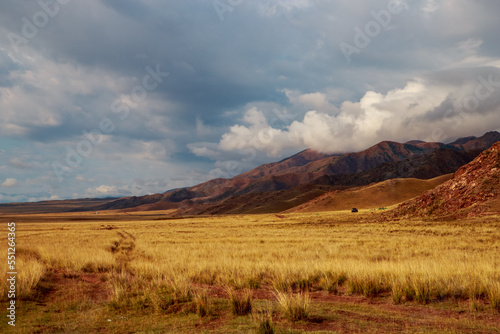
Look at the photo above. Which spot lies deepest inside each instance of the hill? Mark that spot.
(382, 194)
(86, 204)
(473, 190)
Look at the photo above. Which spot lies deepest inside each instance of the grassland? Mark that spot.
(329, 272)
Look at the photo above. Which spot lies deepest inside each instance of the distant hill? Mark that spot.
(474, 189)
(382, 194)
(86, 204)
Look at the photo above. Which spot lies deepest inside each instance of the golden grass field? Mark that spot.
(328, 272)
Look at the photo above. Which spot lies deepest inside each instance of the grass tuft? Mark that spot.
(167, 295)
(263, 317)
(494, 296)
(422, 288)
(397, 291)
(203, 304)
(295, 307)
(366, 285)
(241, 302)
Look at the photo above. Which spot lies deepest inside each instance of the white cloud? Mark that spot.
(429, 7)
(206, 149)
(318, 101)
(272, 8)
(432, 109)
(43, 94)
(18, 163)
(258, 136)
(102, 191)
(136, 187)
(10, 183)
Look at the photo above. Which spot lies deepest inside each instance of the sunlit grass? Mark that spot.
(413, 261)
(294, 307)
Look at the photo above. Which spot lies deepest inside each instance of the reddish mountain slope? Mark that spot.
(474, 189)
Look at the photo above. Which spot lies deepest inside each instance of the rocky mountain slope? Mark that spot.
(474, 189)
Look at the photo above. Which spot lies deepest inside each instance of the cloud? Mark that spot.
(272, 8)
(258, 136)
(437, 107)
(266, 82)
(26, 197)
(102, 191)
(10, 183)
(135, 187)
(18, 163)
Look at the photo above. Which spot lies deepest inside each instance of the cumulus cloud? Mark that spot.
(102, 191)
(10, 183)
(18, 163)
(135, 187)
(438, 107)
(259, 136)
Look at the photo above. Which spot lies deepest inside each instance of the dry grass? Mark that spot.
(32, 272)
(240, 301)
(263, 317)
(158, 265)
(493, 290)
(204, 306)
(381, 194)
(295, 307)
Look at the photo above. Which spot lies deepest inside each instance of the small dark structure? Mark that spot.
(354, 210)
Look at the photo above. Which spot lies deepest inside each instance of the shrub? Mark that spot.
(282, 283)
(129, 293)
(408, 291)
(332, 282)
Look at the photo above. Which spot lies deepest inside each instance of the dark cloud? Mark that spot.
(272, 55)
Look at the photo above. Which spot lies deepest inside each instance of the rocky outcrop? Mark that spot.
(473, 190)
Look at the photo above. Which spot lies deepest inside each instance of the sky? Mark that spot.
(103, 98)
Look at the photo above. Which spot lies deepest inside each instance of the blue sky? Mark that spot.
(130, 97)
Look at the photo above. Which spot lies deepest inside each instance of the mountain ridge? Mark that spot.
(282, 185)
(382, 161)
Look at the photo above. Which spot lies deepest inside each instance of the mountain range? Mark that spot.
(279, 186)
(304, 177)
